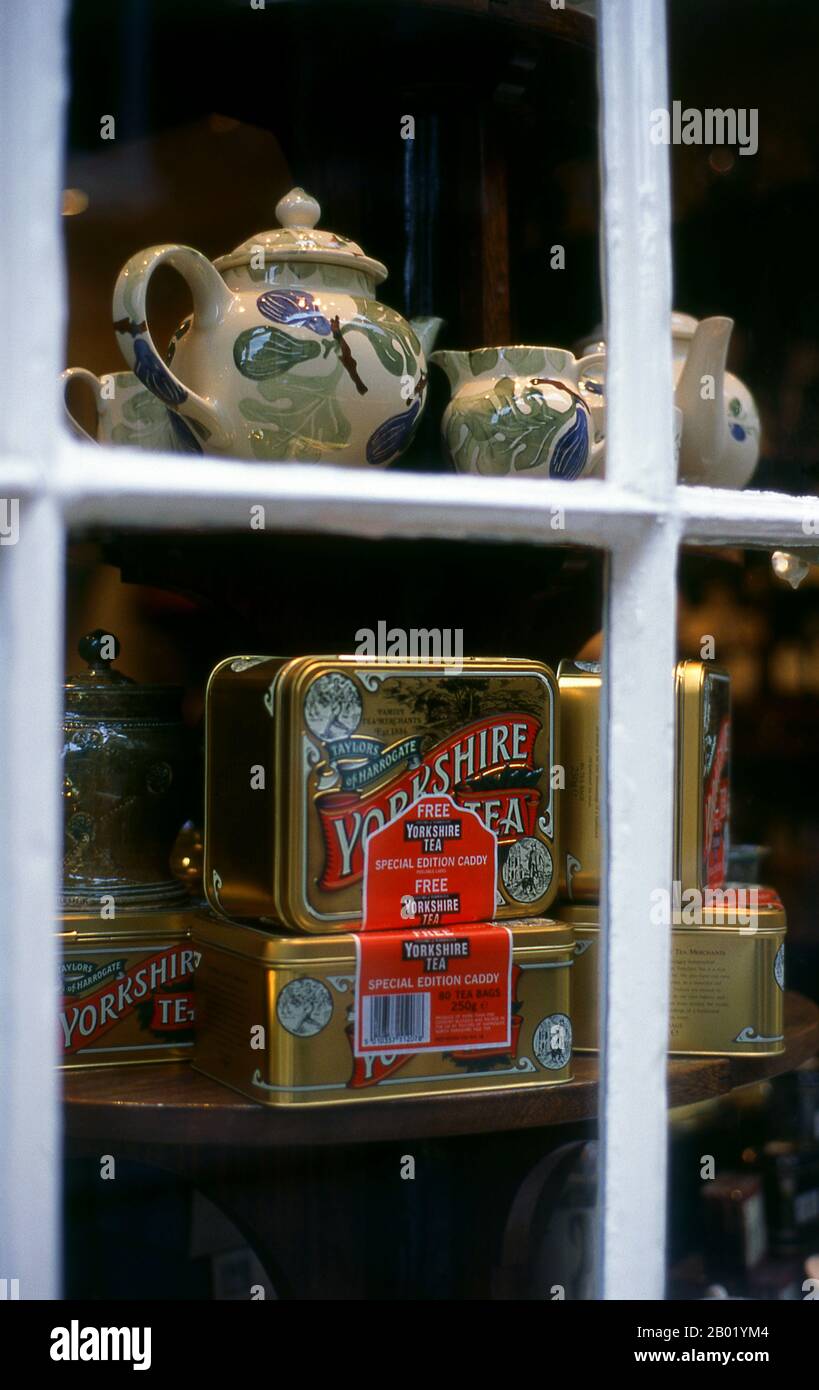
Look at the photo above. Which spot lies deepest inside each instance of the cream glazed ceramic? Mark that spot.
(719, 440)
(129, 414)
(522, 411)
(288, 354)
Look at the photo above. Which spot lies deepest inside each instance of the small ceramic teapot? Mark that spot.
(719, 443)
(288, 354)
(522, 411)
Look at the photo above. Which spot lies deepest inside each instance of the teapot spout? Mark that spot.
(700, 396)
(426, 330)
(455, 364)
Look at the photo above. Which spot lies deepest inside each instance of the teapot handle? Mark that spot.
(80, 374)
(211, 300)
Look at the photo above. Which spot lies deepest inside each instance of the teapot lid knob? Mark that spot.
(298, 209)
(99, 649)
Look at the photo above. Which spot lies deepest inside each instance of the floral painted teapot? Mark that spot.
(720, 436)
(522, 411)
(288, 354)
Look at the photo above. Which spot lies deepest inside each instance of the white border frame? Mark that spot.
(637, 514)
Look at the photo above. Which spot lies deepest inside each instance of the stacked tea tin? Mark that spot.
(354, 809)
(727, 963)
(127, 961)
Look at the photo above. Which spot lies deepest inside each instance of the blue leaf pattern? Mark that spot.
(294, 307)
(152, 372)
(572, 449)
(392, 436)
(184, 438)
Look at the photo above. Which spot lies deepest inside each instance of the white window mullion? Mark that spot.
(32, 89)
(639, 652)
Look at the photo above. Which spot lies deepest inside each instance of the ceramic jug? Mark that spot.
(522, 411)
(129, 414)
(288, 355)
(720, 438)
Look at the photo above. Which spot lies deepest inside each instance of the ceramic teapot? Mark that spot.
(288, 354)
(720, 439)
(522, 411)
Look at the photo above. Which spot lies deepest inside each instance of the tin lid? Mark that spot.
(288, 952)
(105, 693)
(744, 907)
(579, 914)
(299, 239)
(87, 929)
(581, 672)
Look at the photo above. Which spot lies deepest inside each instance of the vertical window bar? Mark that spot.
(640, 652)
(31, 570)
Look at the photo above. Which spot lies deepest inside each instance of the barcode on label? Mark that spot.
(394, 1020)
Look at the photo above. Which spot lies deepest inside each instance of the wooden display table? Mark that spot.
(318, 1193)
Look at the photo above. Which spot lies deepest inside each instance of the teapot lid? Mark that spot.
(682, 326)
(102, 691)
(299, 239)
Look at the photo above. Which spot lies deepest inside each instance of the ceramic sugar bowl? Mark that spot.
(523, 411)
(288, 354)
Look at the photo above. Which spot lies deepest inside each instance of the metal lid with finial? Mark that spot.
(101, 691)
(299, 239)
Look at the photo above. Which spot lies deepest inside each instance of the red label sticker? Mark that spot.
(434, 864)
(433, 990)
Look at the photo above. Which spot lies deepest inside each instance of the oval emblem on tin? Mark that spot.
(779, 966)
(527, 870)
(304, 1007)
(332, 707)
(552, 1042)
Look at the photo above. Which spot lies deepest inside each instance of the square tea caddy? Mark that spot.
(307, 756)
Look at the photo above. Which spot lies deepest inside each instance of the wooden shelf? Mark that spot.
(173, 1105)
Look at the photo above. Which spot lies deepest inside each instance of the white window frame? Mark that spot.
(638, 515)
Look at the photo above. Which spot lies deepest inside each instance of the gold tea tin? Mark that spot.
(727, 976)
(127, 989)
(277, 1019)
(579, 684)
(702, 773)
(307, 756)
(703, 763)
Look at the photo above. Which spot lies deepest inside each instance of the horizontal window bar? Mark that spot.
(126, 488)
(712, 515)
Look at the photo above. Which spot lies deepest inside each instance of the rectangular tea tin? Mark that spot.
(127, 989)
(703, 694)
(301, 990)
(702, 773)
(579, 686)
(306, 756)
(727, 980)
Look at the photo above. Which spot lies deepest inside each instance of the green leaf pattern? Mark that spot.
(264, 351)
(301, 416)
(505, 429)
(391, 337)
